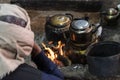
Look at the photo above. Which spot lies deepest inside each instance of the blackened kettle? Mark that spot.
(57, 27)
(82, 33)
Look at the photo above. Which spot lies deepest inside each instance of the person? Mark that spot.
(17, 42)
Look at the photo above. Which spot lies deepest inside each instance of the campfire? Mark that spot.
(63, 54)
(67, 39)
(56, 53)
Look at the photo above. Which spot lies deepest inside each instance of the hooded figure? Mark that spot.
(16, 42)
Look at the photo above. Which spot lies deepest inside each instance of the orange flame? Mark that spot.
(52, 55)
(59, 47)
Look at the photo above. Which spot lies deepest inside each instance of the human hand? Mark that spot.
(36, 49)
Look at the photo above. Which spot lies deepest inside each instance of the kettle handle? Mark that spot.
(97, 30)
(103, 13)
(69, 15)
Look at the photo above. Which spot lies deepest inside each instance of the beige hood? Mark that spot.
(16, 42)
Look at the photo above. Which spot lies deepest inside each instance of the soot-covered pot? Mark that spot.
(82, 33)
(57, 27)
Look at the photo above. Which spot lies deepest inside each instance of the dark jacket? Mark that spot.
(47, 70)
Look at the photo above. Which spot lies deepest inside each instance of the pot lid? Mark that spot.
(112, 11)
(60, 20)
(80, 24)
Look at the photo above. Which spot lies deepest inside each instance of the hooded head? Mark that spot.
(16, 37)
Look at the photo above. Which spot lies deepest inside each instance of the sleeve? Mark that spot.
(45, 76)
(46, 65)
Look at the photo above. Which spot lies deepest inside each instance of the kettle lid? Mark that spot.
(80, 24)
(60, 20)
(112, 11)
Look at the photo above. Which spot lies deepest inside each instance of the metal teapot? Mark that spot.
(57, 27)
(110, 16)
(82, 33)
